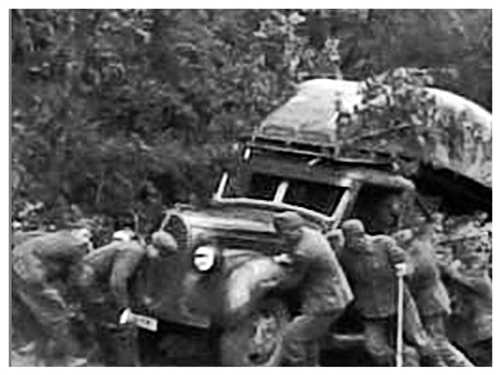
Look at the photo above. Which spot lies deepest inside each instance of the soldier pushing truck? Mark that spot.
(41, 268)
(324, 290)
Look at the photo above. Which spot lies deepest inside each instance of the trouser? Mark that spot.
(379, 343)
(380, 336)
(301, 339)
(480, 352)
(416, 335)
(25, 327)
(116, 344)
(49, 311)
(435, 327)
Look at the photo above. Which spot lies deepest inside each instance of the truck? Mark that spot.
(221, 298)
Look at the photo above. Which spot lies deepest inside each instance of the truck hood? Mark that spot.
(232, 227)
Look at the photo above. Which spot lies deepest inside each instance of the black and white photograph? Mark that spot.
(250, 187)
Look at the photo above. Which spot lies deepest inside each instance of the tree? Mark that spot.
(105, 102)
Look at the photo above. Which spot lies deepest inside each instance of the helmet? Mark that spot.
(164, 242)
(288, 221)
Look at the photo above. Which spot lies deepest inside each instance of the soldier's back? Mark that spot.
(372, 277)
(475, 309)
(19, 237)
(325, 287)
(57, 245)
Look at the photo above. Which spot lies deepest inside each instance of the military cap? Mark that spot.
(82, 233)
(353, 226)
(288, 220)
(403, 236)
(164, 242)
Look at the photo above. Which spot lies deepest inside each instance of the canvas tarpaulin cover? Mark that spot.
(455, 134)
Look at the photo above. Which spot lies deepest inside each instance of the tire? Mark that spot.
(258, 339)
(177, 346)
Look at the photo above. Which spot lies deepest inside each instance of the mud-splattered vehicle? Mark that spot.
(222, 296)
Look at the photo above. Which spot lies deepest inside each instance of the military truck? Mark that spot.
(222, 296)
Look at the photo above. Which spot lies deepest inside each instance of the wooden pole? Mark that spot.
(399, 337)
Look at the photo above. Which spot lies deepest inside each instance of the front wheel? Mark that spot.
(258, 339)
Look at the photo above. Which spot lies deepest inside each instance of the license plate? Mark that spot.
(145, 322)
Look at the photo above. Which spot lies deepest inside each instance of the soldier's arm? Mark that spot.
(464, 282)
(123, 267)
(64, 245)
(54, 296)
(398, 256)
(478, 285)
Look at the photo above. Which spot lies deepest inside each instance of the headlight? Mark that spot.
(205, 257)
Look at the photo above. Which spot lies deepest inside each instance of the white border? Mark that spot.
(5, 226)
(274, 4)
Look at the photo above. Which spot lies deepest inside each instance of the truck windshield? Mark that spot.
(320, 197)
(314, 196)
(263, 187)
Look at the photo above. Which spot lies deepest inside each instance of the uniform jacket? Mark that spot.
(19, 237)
(40, 268)
(425, 282)
(112, 265)
(324, 288)
(371, 274)
(472, 322)
(45, 258)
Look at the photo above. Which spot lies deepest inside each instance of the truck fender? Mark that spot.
(249, 282)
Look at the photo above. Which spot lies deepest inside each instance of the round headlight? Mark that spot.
(204, 258)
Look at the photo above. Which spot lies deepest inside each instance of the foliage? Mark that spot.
(127, 110)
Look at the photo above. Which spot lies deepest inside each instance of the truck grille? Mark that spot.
(177, 228)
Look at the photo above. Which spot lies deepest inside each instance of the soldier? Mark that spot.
(471, 321)
(103, 281)
(104, 277)
(430, 294)
(324, 292)
(41, 267)
(370, 263)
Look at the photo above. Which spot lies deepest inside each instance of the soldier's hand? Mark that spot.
(401, 269)
(152, 252)
(397, 255)
(453, 269)
(125, 316)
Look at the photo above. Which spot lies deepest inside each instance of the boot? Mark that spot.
(432, 360)
(410, 357)
(68, 361)
(126, 351)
